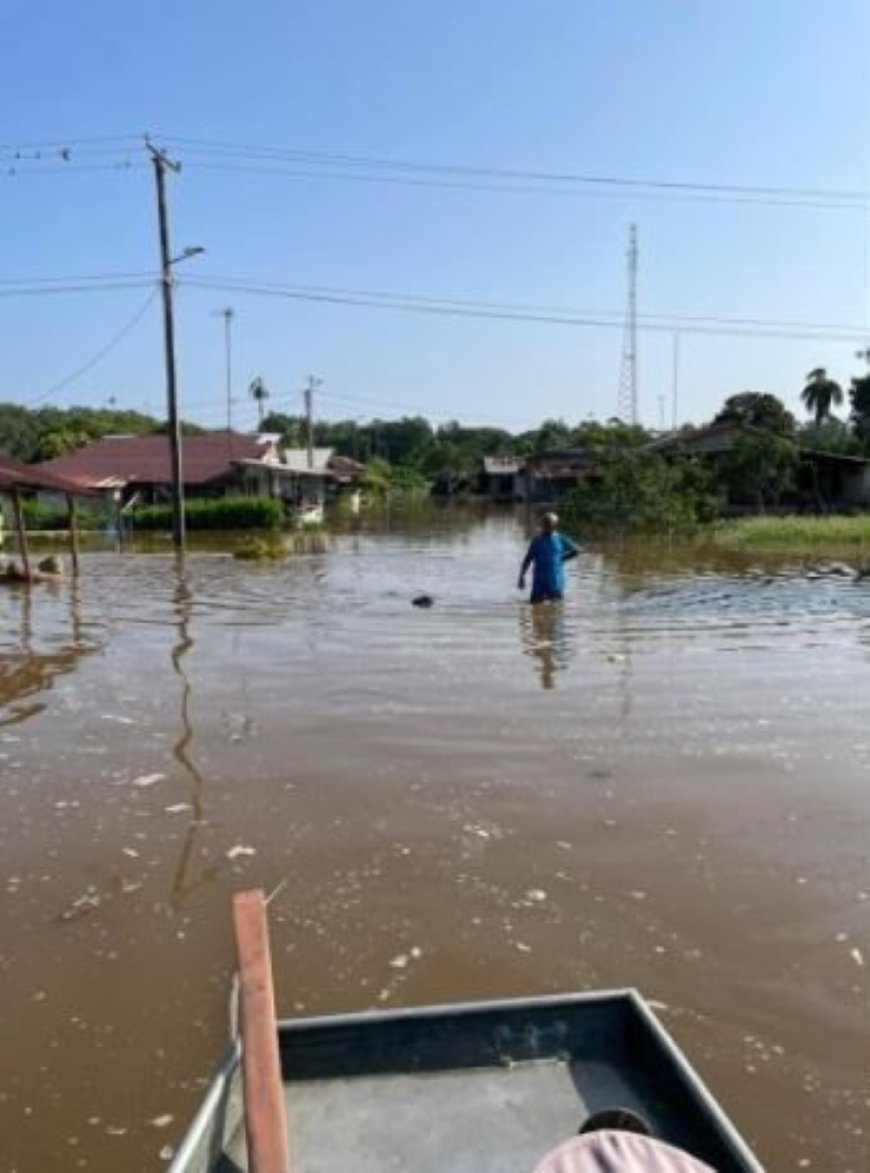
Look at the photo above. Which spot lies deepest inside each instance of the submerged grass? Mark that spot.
(794, 532)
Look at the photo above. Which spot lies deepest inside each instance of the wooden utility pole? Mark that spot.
(228, 315)
(161, 165)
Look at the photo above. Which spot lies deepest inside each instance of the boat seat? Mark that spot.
(618, 1152)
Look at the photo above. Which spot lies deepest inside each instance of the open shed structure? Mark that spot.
(17, 478)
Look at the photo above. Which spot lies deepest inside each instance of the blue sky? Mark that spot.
(771, 94)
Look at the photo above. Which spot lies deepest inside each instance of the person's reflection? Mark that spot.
(542, 630)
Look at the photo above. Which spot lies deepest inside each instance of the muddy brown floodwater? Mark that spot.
(663, 784)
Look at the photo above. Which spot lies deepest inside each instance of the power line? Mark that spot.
(50, 157)
(61, 143)
(533, 307)
(566, 178)
(484, 311)
(617, 192)
(46, 291)
(101, 353)
(16, 171)
(78, 277)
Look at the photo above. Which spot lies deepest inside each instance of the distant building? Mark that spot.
(548, 477)
(502, 478)
(825, 480)
(140, 467)
(133, 470)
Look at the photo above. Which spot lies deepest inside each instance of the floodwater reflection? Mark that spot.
(186, 878)
(545, 638)
(673, 762)
(28, 670)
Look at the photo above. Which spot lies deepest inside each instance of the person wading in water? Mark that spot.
(547, 553)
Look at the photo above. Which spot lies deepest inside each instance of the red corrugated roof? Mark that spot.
(145, 460)
(16, 475)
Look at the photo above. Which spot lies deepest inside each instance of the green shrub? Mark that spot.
(54, 517)
(220, 513)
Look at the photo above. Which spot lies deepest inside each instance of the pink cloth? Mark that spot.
(618, 1152)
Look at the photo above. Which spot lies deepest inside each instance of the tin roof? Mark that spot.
(16, 475)
(502, 465)
(122, 460)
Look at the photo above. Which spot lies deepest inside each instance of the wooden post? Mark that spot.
(22, 533)
(73, 531)
(265, 1120)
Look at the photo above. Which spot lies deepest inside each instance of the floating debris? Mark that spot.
(536, 895)
(147, 780)
(161, 1121)
(857, 956)
(82, 905)
(178, 808)
(240, 850)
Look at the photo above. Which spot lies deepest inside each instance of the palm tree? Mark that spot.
(259, 392)
(819, 393)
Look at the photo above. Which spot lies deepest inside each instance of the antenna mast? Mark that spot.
(627, 400)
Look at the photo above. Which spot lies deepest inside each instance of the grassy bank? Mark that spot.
(793, 532)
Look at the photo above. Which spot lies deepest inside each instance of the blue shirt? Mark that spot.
(547, 552)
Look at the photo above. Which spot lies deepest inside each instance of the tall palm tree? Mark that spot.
(819, 393)
(259, 392)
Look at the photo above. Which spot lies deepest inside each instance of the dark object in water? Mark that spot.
(422, 601)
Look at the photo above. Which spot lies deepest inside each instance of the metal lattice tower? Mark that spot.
(627, 400)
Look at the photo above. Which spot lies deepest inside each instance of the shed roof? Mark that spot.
(502, 465)
(16, 475)
(120, 460)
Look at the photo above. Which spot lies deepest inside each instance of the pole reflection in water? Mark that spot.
(544, 638)
(186, 879)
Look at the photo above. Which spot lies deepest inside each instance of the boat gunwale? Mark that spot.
(715, 1117)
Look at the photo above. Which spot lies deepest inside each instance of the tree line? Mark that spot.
(451, 450)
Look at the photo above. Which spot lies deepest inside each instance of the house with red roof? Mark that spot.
(140, 467)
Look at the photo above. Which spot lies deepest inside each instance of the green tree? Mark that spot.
(552, 434)
(259, 392)
(760, 467)
(859, 400)
(758, 410)
(832, 435)
(819, 393)
(635, 490)
(614, 433)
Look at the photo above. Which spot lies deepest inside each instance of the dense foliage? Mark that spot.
(220, 513)
(54, 517)
(635, 490)
(47, 432)
(761, 468)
